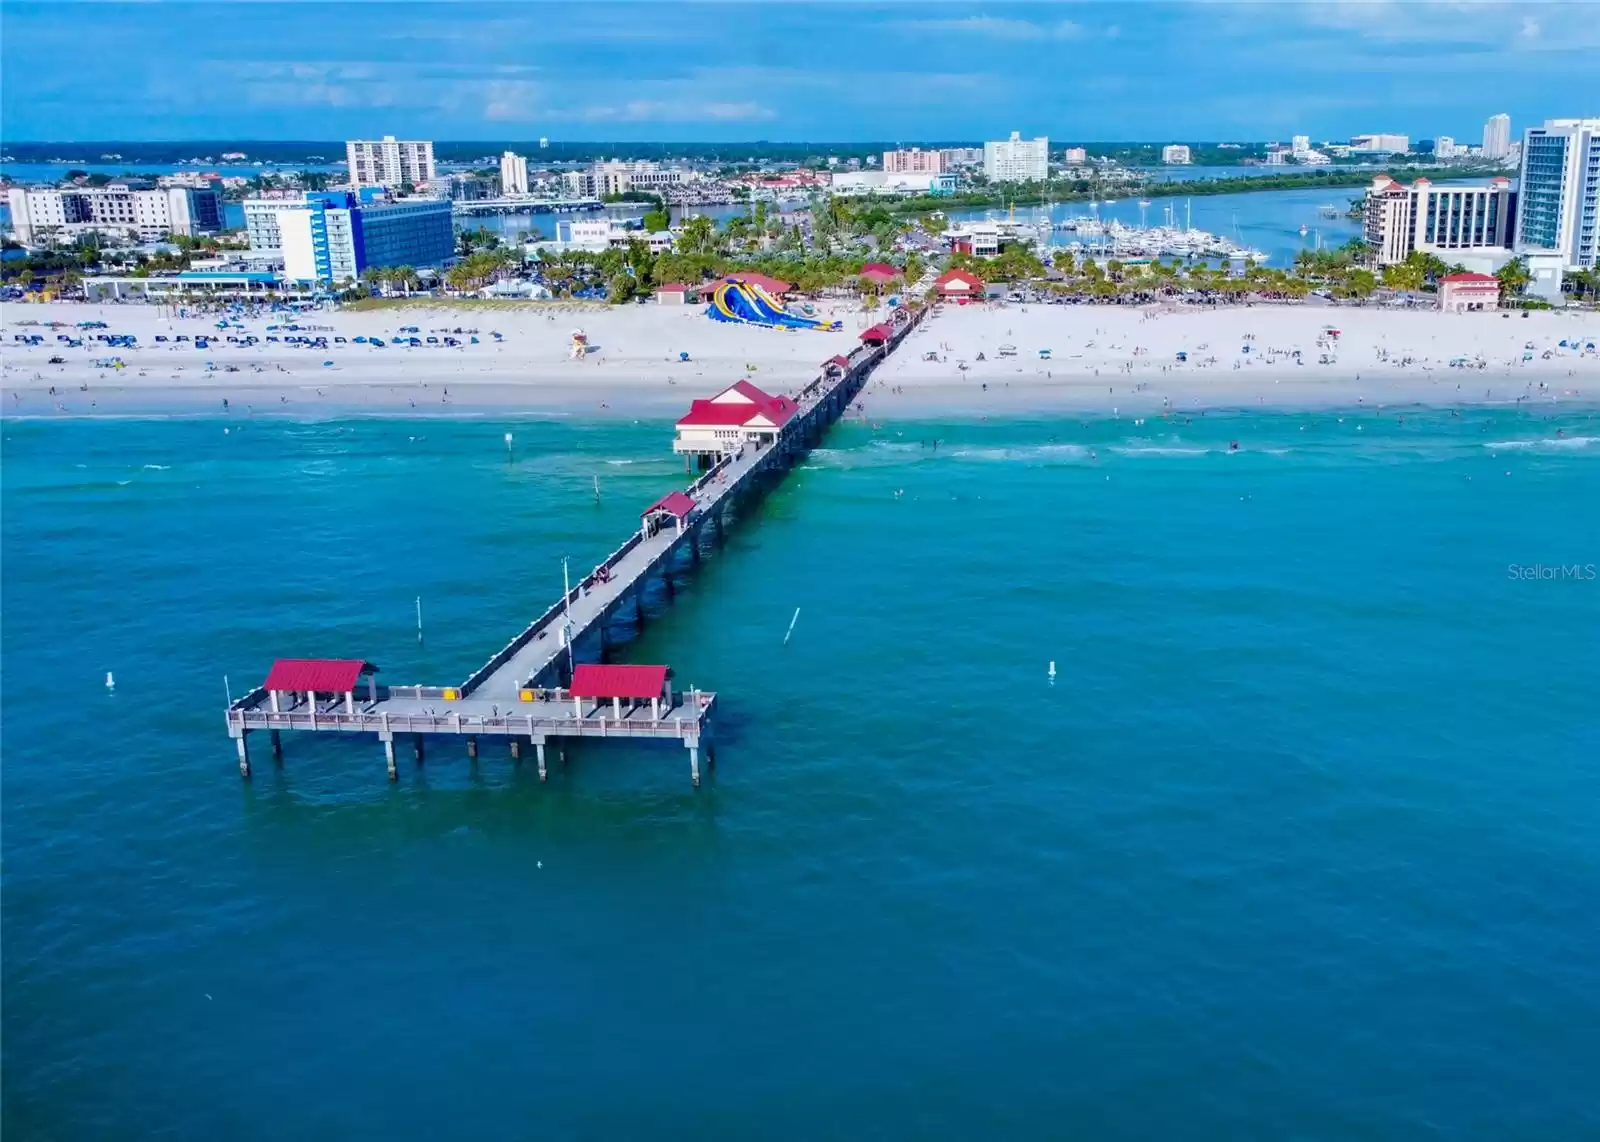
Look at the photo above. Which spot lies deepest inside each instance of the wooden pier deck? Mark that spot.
(518, 695)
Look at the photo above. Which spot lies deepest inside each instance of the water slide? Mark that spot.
(752, 305)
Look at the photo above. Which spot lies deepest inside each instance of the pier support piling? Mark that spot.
(538, 749)
(472, 747)
(277, 746)
(516, 749)
(694, 765)
(244, 754)
(388, 757)
(416, 745)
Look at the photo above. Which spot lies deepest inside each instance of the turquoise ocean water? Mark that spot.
(1302, 842)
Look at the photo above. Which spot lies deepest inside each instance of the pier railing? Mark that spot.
(528, 633)
(682, 725)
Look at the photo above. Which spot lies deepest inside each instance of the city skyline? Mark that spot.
(1078, 72)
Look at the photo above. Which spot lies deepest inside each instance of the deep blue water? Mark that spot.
(1302, 842)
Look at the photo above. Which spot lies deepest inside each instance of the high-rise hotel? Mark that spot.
(1558, 212)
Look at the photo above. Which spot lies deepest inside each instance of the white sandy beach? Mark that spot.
(633, 363)
(1102, 358)
(1113, 357)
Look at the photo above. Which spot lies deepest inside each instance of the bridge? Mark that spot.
(525, 206)
(529, 692)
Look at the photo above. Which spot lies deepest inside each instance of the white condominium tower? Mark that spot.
(1497, 137)
(389, 162)
(1558, 201)
(1017, 159)
(513, 173)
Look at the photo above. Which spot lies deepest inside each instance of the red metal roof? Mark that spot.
(842, 362)
(774, 286)
(747, 390)
(704, 413)
(875, 333)
(324, 675)
(950, 277)
(591, 681)
(1470, 278)
(679, 504)
(879, 271)
(674, 287)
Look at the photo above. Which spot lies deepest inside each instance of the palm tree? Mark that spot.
(1514, 278)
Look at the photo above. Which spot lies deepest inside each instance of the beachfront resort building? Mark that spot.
(334, 236)
(1558, 219)
(1017, 159)
(914, 161)
(1497, 137)
(513, 173)
(389, 162)
(1075, 156)
(128, 209)
(1176, 153)
(1472, 225)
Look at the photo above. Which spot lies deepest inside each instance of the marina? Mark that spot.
(544, 687)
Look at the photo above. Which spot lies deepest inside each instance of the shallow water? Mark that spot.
(1301, 841)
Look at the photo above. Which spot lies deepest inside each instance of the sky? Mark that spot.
(782, 70)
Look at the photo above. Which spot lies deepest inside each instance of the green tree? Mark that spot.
(656, 221)
(1514, 278)
(621, 289)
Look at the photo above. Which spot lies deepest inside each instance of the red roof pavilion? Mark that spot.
(875, 333)
(641, 682)
(678, 504)
(775, 286)
(321, 675)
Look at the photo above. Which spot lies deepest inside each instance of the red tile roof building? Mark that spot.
(739, 414)
(959, 283)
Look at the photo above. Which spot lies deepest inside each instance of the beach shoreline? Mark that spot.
(649, 362)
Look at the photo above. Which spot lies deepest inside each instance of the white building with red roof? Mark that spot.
(1467, 293)
(740, 414)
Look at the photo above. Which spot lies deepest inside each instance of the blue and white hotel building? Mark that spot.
(1558, 215)
(332, 236)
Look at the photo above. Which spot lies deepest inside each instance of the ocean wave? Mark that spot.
(158, 467)
(619, 463)
(1546, 442)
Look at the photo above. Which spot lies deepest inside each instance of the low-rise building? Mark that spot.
(1469, 293)
(120, 209)
(959, 285)
(1380, 144)
(621, 177)
(1448, 221)
(740, 414)
(596, 234)
(883, 182)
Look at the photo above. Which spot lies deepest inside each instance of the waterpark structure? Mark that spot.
(750, 303)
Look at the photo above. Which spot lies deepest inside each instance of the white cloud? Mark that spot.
(999, 28)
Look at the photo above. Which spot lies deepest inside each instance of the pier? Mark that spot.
(543, 687)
